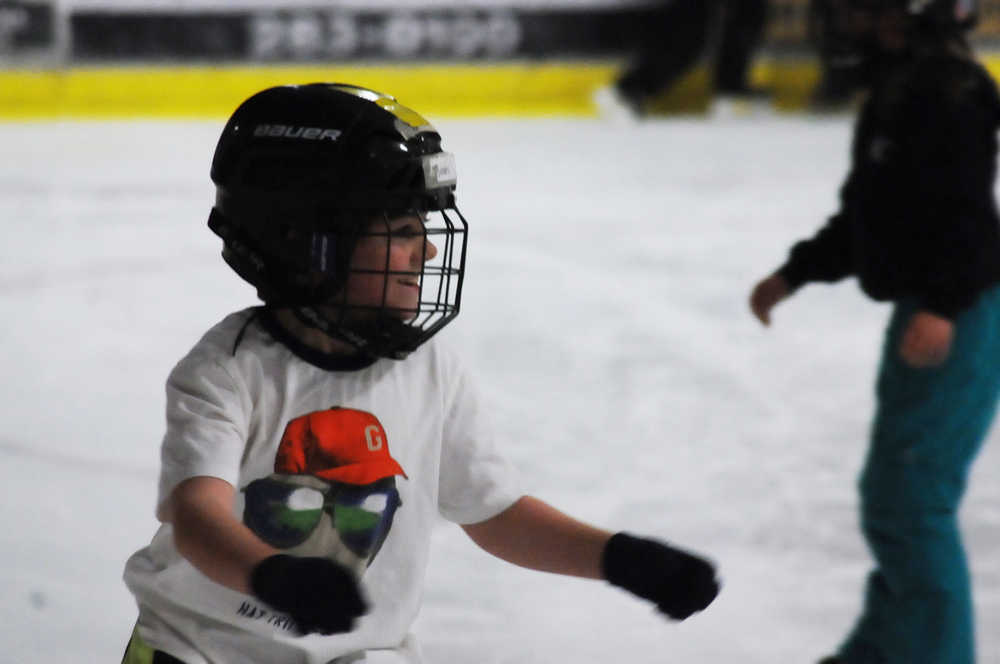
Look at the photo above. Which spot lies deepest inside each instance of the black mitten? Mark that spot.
(678, 582)
(320, 595)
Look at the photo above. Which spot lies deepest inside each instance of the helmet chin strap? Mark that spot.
(384, 336)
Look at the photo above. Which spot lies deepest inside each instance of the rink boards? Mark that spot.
(200, 58)
(498, 89)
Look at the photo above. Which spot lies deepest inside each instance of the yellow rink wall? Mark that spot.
(438, 90)
(435, 89)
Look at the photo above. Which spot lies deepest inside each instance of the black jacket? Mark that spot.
(918, 216)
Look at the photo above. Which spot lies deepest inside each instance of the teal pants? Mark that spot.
(928, 428)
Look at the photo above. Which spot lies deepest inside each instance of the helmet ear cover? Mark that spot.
(289, 267)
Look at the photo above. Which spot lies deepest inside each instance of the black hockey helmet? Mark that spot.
(937, 14)
(961, 14)
(846, 35)
(302, 172)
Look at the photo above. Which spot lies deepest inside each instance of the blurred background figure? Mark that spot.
(671, 45)
(918, 227)
(842, 67)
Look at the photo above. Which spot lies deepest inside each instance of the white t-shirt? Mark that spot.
(261, 412)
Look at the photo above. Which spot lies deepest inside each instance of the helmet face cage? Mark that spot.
(379, 326)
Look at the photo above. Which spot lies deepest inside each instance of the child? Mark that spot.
(312, 442)
(918, 226)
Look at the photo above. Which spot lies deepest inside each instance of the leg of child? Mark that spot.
(929, 426)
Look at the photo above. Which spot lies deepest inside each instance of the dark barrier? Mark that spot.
(311, 34)
(304, 35)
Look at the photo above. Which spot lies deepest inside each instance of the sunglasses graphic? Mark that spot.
(285, 514)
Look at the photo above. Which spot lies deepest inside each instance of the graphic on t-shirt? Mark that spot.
(333, 492)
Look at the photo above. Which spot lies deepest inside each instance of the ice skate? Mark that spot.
(741, 102)
(616, 107)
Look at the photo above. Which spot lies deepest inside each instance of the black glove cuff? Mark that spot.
(627, 559)
(269, 581)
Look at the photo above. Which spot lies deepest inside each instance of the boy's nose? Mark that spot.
(430, 252)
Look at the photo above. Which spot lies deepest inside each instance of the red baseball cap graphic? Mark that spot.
(340, 444)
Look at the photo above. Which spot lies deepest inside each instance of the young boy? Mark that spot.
(312, 442)
(918, 226)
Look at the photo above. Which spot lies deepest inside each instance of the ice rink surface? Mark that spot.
(605, 313)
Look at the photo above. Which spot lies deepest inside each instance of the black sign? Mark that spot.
(304, 35)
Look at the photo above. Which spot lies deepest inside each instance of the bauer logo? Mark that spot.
(289, 131)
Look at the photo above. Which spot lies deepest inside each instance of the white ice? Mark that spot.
(606, 316)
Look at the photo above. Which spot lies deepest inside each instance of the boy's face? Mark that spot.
(387, 263)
